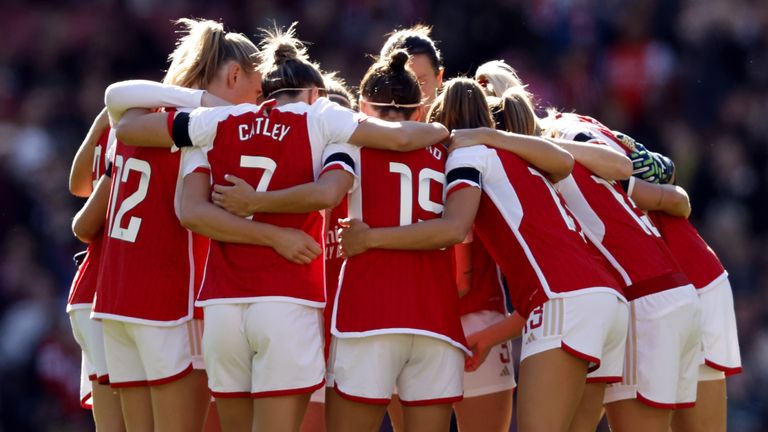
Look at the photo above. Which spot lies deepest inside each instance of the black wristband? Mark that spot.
(180, 131)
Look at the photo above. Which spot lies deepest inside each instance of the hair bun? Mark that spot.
(398, 59)
(286, 50)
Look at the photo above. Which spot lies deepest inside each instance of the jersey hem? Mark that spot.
(714, 283)
(142, 321)
(78, 306)
(395, 330)
(240, 300)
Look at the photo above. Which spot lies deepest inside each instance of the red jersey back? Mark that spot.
(698, 261)
(527, 229)
(83, 286)
(149, 264)
(627, 237)
(486, 291)
(271, 148)
(396, 291)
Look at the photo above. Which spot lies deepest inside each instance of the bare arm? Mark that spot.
(670, 199)
(401, 136)
(481, 342)
(539, 152)
(80, 174)
(124, 95)
(602, 160)
(89, 221)
(139, 127)
(242, 200)
(452, 228)
(200, 215)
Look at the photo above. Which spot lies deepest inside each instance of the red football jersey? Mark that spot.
(698, 261)
(396, 291)
(487, 290)
(84, 284)
(623, 232)
(333, 263)
(271, 148)
(149, 261)
(527, 229)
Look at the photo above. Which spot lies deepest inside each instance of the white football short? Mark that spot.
(590, 326)
(497, 373)
(263, 349)
(141, 355)
(425, 370)
(90, 336)
(661, 366)
(720, 342)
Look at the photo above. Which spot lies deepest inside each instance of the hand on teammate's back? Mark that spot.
(296, 246)
(480, 346)
(235, 199)
(466, 138)
(352, 236)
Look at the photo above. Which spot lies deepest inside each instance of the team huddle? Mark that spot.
(311, 259)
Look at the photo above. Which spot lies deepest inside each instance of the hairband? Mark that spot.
(269, 96)
(338, 97)
(392, 104)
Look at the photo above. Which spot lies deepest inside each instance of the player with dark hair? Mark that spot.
(551, 269)
(248, 288)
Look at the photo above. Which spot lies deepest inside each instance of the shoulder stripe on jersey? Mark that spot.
(342, 158)
(463, 173)
(180, 134)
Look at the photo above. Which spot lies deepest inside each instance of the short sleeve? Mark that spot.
(204, 122)
(344, 157)
(330, 123)
(465, 168)
(193, 159)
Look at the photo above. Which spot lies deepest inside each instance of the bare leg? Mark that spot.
(710, 413)
(344, 415)
(235, 414)
(395, 411)
(188, 397)
(491, 412)
(590, 409)
(281, 413)
(631, 415)
(314, 419)
(212, 422)
(107, 412)
(137, 409)
(549, 391)
(427, 418)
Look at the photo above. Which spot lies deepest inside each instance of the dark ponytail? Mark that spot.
(389, 85)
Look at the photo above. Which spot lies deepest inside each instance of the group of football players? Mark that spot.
(311, 259)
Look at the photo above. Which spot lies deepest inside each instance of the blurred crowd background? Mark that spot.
(685, 77)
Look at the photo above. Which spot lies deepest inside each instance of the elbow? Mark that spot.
(82, 231)
(455, 233)
(564, 168)
(190, 218)
(623, 168)
(79, 190)
(681, 203)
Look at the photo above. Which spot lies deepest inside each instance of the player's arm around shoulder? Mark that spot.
(668, 198)
(541, 153)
